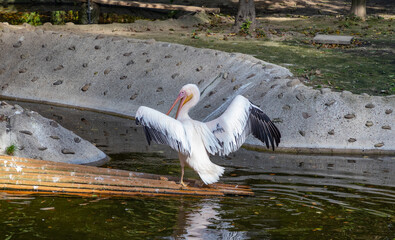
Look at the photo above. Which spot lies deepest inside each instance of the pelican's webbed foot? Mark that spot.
(185, 185)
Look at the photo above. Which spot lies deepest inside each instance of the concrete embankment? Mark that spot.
(115, 74)
(26, 133)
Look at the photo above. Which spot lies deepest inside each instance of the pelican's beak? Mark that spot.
(181, 97)
(184, 99)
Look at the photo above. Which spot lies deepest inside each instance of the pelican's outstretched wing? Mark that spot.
(239, 120)
(160, 128)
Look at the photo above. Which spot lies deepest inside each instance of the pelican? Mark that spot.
(195, 140)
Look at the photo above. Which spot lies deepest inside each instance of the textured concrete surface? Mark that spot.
(37, 137)
(332, 39)
(115, 74)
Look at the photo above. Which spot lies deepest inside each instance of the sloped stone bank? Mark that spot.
(34, 136)
(114, 74)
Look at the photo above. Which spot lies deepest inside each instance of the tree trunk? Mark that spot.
(245, 18)
(89, 13)
(358, 8)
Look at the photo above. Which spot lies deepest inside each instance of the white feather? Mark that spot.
(172, 130)
(200, 137)
(232, 127)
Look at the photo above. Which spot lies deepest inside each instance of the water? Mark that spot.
(297, 196)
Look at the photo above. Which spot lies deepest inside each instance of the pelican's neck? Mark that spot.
(183, 115)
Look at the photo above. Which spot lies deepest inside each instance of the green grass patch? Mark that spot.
(367, 66)
(340, 69)
(10, 150)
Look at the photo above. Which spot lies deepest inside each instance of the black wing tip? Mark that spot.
(147, 135)
(264, 129)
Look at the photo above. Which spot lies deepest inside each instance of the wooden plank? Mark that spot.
(98, 182)
(161, 6)
(31, 176)
(332, 39)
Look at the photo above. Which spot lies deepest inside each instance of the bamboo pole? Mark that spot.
(31, 176)
(161, 6)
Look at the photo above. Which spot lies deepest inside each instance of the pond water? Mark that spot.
(297, 196)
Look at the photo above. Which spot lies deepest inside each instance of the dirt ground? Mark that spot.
(302, 7)
(313, 7)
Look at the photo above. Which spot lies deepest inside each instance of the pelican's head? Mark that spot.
(188, 96)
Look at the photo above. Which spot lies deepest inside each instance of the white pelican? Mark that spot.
(194, 140)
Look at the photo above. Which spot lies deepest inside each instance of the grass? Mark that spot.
(367, 66)
(10, 150)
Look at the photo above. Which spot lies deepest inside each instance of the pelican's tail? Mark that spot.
(207, 170)
(210, 174)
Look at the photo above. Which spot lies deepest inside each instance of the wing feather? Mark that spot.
(162, 129)
(241, 119)
(269, 132)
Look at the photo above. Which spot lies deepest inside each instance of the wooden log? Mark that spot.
(31, 176)
(155, 6)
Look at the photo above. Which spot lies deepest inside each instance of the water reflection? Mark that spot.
(199, 223)
(297, 196)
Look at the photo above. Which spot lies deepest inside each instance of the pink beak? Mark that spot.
(181, 97)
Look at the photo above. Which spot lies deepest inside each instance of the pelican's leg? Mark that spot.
(182, 177)
(182, 173)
